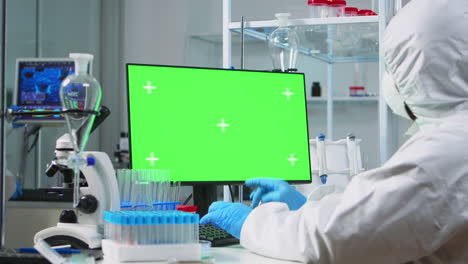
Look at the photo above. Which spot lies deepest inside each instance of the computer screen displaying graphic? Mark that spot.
(37, 88)
(217, 125)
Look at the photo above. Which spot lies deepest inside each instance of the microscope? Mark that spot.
(80, 97)
(82, 228)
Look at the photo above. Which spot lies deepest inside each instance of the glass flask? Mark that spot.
(80, 95)
(283, 45)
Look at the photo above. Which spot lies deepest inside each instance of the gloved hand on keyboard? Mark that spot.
(275, 190)
(228, 216)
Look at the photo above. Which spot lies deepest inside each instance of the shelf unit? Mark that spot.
(344, 99)
(260, 29)
(315, 34)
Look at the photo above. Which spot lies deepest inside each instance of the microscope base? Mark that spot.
(77, 235)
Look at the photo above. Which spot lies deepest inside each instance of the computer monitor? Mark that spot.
(218, 126)
(37, 88)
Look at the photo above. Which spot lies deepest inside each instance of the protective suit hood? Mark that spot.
(426, 54)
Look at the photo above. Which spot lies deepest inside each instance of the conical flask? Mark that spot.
(80, 95)
(283, 45)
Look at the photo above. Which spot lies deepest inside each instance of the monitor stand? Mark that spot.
(203, 196)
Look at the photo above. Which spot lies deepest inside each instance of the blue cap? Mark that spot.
(91, 161)
(107, 216)
(179, 219)
(150, 217)
(195, 219)
(323, 178)
(170, 219)
(163, 219)
(321, 137)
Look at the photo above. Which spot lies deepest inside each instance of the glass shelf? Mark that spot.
(344, 99)
(217, 39)
(332, 40)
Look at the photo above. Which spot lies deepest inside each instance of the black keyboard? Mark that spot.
(217, 236)
(16, 256)
(12, 256)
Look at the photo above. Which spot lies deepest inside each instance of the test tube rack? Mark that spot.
(151, 236)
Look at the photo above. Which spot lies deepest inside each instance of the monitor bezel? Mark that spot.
(60, 121)
(191, 183)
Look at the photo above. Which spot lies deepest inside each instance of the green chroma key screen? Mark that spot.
(217, 125)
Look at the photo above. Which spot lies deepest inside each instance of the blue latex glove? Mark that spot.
(228, 216)
(18, 192)
(275, 190)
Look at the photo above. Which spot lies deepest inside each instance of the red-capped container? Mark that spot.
(357, 91)
(349, 11)
(318, 8)
(187, 208)
(366, 12)
(334, 7)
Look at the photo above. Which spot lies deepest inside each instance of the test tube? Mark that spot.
(140, 191)
(178, 191)
(165, 184)
(124, 187)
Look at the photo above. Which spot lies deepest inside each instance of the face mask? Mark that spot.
(392, 97)
(396, 102)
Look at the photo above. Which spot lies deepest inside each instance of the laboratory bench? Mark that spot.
(222, 255)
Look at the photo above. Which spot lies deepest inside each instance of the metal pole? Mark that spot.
(330, 101)
(2, 128)
(383, 110)
(242, 43)
(241, 188)
(226, 34)
(330, 38)
(39, 160)
(226, 63)
(398, 5)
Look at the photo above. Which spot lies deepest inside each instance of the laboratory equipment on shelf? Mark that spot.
(366, 12)
(322, 158)
(335, 8)
(357, 91)
(122, 154)
(316, 89)
(318, 8)
(80, 95)
(350, 11)
(151, 236)
(283, 45)
(342, 162)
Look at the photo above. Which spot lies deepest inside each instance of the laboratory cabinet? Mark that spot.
(344, 52)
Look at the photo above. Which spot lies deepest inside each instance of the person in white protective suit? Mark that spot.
(413, 209)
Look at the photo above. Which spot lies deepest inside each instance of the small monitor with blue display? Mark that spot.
(37, 89)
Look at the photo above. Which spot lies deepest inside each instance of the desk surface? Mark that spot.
(227, 255)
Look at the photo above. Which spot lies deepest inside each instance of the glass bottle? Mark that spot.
(283, 45)
(80, 95)
(316, 89)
